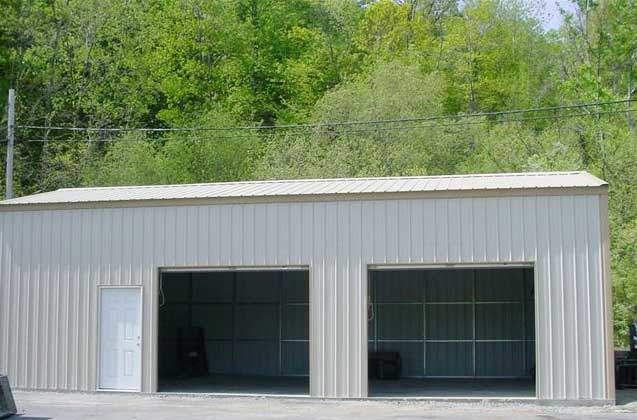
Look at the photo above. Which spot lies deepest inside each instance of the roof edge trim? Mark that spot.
(401, 195)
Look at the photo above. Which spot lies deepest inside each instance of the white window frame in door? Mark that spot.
(99, 338)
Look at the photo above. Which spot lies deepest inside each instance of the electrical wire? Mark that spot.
(162, 297)
(341, 132)
(324, 124)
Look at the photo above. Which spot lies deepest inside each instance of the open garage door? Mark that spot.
(234, 331)
(461, 332)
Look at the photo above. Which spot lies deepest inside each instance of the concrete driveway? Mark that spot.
(71, 406)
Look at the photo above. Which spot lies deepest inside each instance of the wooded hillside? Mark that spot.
(295, 74)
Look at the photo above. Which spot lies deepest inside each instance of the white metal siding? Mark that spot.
(51, 262)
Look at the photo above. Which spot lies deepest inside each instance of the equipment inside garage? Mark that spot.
(458, 332)
(234, 331)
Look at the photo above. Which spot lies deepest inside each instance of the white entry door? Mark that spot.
(120, 339)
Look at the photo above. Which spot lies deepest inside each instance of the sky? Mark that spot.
(551, 16)
(547, 11)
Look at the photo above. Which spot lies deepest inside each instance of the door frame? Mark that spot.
(99, 338)
(154, 340)
(531, 264)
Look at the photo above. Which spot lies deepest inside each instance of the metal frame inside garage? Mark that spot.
(220, 381)
(474, 383)
(474, 302)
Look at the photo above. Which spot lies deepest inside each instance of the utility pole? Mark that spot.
(10, 141)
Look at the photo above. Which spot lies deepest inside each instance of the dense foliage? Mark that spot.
(229, 63)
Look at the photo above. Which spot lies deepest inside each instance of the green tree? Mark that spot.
(393, 90)
(496, 56)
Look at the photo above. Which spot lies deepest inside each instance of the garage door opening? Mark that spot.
(234, 332)
(452, 333)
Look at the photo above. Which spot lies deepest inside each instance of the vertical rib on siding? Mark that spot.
(51, 263)
(607, 289)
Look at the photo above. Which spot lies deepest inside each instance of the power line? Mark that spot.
(323, 125)
(349, 131)
(458, 124)
(337, 132)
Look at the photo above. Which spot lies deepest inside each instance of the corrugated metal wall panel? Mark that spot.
(596, 300)
(52, 262)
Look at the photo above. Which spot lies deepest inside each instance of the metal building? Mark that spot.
(497, 282)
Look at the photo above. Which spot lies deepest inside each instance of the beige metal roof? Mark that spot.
(316, 187)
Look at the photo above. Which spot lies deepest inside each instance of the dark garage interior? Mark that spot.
(460, 332)
(237, 332)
